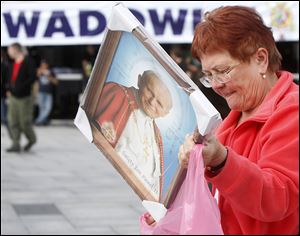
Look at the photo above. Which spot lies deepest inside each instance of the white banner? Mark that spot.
(39, 23)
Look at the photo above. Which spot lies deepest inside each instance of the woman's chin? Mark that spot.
(232, 103)
(233, 106)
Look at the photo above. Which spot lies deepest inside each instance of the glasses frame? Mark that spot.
(206, 80)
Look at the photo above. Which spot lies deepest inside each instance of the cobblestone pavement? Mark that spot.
(64, 185)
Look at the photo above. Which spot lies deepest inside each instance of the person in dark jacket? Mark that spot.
(4, 79)
(21, 75)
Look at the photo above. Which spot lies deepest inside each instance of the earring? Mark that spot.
(263, 75)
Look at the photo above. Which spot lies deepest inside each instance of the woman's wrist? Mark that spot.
(216, 167)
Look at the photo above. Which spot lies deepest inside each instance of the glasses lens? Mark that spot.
(222, 78)
(206, 82)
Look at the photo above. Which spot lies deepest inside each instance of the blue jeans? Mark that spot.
(3, 111)
(45, 101)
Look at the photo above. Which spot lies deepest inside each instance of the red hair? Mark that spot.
(238, 30)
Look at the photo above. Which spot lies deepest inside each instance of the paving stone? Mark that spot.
(13, 227)
(66, 173)
(36, 209)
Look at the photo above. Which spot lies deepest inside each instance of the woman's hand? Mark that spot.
(213, 152)
(185, 149)
(198, 138)
(149, 219)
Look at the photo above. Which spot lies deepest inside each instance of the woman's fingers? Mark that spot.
(197, 137)
(213, 151)
(185, 149)
(149, 219)
(182, 157)
(180, 154)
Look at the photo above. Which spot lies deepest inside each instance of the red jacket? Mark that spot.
(259, 184)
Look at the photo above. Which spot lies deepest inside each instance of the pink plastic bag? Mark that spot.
(194, 210)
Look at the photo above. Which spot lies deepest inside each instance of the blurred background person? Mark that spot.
(46, 83)
(4, 79)
(21, 75)
(87, 64)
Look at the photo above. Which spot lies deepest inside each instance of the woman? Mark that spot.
(47, 81)
(253, 159)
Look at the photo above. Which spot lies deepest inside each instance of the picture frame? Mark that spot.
(137, 109)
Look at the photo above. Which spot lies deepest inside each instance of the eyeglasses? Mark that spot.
(221, 77)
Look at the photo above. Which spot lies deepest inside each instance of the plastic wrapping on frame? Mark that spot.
(208, 117)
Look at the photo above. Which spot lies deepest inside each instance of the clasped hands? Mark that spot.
(213, 151)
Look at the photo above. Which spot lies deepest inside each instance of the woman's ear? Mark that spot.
(262, 60)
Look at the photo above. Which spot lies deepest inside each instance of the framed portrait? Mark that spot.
(137, 108)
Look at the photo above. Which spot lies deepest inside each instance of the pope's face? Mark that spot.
(155, 97)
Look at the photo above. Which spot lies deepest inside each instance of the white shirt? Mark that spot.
(138, 148)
